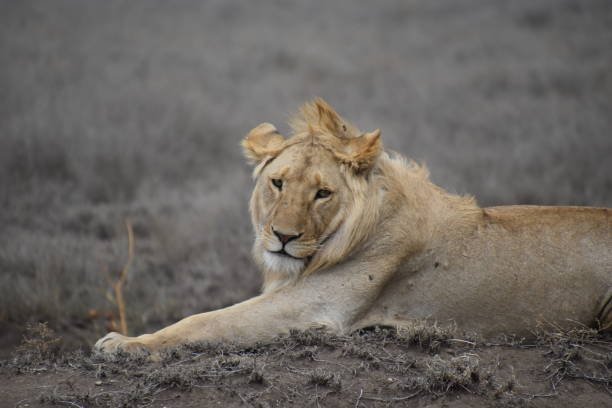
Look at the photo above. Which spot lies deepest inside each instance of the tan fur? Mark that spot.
(386, 247)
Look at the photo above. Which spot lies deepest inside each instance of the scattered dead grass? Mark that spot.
(381, 365)
(580, 353)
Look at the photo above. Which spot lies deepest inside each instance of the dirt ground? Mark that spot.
(133, 111)
(421, 366)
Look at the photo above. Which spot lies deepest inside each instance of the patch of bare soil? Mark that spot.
(423, 366)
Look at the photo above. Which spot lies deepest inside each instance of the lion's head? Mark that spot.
(309, 188)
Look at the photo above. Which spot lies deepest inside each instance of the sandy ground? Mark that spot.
(423, 368)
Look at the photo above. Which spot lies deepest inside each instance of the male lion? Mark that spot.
(349, 237)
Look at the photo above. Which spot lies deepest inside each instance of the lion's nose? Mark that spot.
(285, 238)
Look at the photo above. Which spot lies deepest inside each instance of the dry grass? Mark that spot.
(580, 353)
(271, 375)
(444, 375)
(426, 334)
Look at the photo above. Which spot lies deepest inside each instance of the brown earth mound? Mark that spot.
(425, 366)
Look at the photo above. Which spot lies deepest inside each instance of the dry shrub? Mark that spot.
(321, 377)
(39, 344)
(425, 334)
(440, 375)
(257, 376)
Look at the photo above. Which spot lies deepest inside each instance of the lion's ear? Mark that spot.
(360, 153)
(328, 118)
(261, 142)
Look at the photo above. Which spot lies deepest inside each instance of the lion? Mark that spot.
(349, 236)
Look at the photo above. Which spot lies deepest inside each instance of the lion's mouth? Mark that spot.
(284, 253)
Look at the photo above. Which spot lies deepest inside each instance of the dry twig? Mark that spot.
(390, 399)
(120, 282)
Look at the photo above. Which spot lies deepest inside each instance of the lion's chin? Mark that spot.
(283, 264)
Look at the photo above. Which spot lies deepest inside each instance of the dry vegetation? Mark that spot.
(370, 368)
(134, 110)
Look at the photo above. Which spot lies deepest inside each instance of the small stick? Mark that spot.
(359, 398)
(118, 285)
(391, 399)
(471, 343)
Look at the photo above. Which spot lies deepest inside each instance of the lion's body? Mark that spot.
(515, 268)
(348, 237)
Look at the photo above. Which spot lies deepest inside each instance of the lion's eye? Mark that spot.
(322, 194)
(278, 183)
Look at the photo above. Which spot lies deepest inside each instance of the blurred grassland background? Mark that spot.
(134, 110)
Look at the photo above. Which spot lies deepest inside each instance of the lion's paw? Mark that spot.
(114, 343)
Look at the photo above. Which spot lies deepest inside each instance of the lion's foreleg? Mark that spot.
(258, 319)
